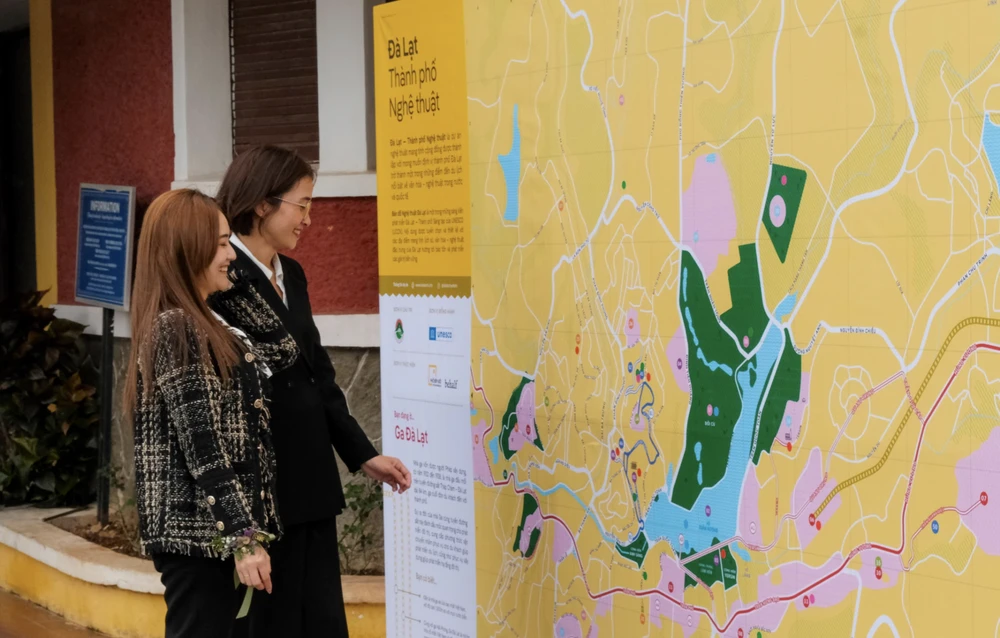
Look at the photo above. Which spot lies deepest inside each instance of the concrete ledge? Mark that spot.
(116, 594)
(25, 529)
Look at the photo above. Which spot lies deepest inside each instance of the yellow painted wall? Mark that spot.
(114, 611)
(118, 612)
(43, 142)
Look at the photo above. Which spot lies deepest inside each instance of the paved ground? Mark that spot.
(21, 619)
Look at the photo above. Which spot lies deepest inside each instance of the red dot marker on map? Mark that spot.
(812, 519)
(878, 573)
(739, 634)
(789, 447)
(983, 498)
(642, 618)
(819, 525)
(578, 349)
(649, 376)
(639, 472)
(805, 601)
(670, 587)
(476, 438)
(560, 204)
(578, 338)
(723, 552)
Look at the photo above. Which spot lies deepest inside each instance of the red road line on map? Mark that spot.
(788, 598)
(483, 392)
(927, 521)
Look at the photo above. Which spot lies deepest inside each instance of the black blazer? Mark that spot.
(308, 410)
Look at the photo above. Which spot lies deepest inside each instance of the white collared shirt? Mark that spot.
(278, 273)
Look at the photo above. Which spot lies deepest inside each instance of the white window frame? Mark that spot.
(203, 123)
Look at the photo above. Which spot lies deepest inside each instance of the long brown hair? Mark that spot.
(259, 175)
(177, 243)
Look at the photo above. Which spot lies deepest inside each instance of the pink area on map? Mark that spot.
(568, 627)
(810, 479)
(524, 433)
(562, 545)
(766, 619)
(749, 518)
(977, 473)
(795, 576)
(791, 420)
(631, 328)
(604, 605)
(639, 424)
(677, 359)
(480, 462)
(671, 576)
(709, 217)
(533, 522)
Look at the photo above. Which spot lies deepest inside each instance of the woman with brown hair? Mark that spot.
(197, 391)
(267, 195)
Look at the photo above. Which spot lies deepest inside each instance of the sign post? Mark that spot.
(103, 278)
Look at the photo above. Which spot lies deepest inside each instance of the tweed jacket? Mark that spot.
(204, 460)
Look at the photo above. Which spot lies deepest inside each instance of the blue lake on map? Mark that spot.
(511, 165)
(991, 143)
(665, 520)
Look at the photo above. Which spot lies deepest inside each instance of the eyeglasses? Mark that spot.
(305, 207)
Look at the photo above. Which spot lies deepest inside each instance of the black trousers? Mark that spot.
(202, 601)
(307, 600)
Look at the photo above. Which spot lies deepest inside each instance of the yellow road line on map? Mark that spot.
(857, 478)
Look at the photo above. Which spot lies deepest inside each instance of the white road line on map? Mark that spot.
(809, 33)
(656, 83)
(892, 184)
(916, 174)
(885, 621)
(732, 49)
(680, 125)
(870, 244)
(930, 320)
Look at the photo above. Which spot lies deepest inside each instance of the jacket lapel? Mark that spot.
(266, 290)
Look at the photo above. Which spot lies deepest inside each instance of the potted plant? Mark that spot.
(48, 409)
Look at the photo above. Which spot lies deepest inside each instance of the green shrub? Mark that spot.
(359, 541)
(48, 410)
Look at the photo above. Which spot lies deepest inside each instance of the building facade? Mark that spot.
(144, 94)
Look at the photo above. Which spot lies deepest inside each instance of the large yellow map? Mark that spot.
(736, 317)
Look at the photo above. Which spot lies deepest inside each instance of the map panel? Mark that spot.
(735, 360)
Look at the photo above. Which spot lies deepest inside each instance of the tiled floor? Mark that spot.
(21, 619)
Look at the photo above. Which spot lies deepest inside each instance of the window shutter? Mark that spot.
(273, 70)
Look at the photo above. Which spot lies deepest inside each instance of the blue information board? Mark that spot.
(104, 245)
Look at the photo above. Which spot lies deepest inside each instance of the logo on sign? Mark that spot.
(435, 380)
(439, 334)
(399, 330)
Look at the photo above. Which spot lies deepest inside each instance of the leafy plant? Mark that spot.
(359, 540)
(48, 410)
